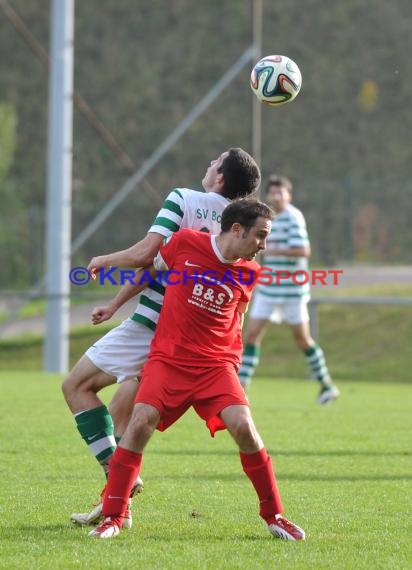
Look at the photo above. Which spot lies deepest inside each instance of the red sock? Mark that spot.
(258, 467)
(124, 467)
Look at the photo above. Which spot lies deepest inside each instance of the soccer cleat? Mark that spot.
(95, 515)
(92, 517)
(109, 528)
(127, 519)
(328, 393)
(137, 487)
(286, 530)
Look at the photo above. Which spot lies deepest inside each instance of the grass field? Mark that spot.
(361, 342)
(345, 473)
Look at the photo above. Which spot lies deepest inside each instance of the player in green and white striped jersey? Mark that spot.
(120, 354)
(285, 299)
(183, 208)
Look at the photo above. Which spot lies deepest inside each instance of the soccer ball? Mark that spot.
(275, 80)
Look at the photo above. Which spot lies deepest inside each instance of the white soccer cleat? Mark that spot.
(328, 393)
(109, 528)
(286, 530)
(127, 519)
(95, 515)
(137, 487)
(92, 517)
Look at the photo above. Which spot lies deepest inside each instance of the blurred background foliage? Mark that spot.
(142, 66)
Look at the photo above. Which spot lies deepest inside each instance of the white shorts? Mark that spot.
(292, 312)
(123, 351)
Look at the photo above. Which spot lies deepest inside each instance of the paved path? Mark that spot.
(351, 277)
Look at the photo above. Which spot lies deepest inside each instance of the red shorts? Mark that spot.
(172, 390)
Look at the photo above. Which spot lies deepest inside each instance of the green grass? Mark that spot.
(25, 352)
(377, 290)
(344, 471)
(361, 342)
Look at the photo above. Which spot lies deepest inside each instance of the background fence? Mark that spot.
(140, 68)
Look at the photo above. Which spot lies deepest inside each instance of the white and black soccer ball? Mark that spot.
(275, 80)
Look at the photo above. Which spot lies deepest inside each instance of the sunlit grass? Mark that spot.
(344, 471)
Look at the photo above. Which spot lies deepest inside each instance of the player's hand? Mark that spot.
(95, 264)
(102, 314)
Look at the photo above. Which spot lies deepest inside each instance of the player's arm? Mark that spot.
(139, 283)
(242, 309)
(167, 221)
(140, 254)
(129, 290)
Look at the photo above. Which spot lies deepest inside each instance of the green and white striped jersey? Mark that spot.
(183, 208)
(288, 230)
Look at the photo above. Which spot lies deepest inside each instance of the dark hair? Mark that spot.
(241, 174)
(244, 212)
(280, 181)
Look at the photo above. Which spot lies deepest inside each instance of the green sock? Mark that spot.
(250, 360)
(96, 428)
(317, 364)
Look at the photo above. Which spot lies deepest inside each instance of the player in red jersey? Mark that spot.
(194, 358)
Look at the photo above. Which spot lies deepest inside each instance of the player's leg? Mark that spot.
(131, 345)
(154, 400)
(257, 465)
(260, 313)
(315, 356)
(297, 316)
(119, 354)
(255, 331)
(125, 467)
(92, 418)
(121, 406)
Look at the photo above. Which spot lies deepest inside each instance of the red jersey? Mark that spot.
(199, 322)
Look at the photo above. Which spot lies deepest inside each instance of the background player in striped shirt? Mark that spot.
(120, 354)
(200, 370)
(287, 251)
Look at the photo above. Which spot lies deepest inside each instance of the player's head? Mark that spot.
(234, 174)
(278, 192)
(245, 226)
